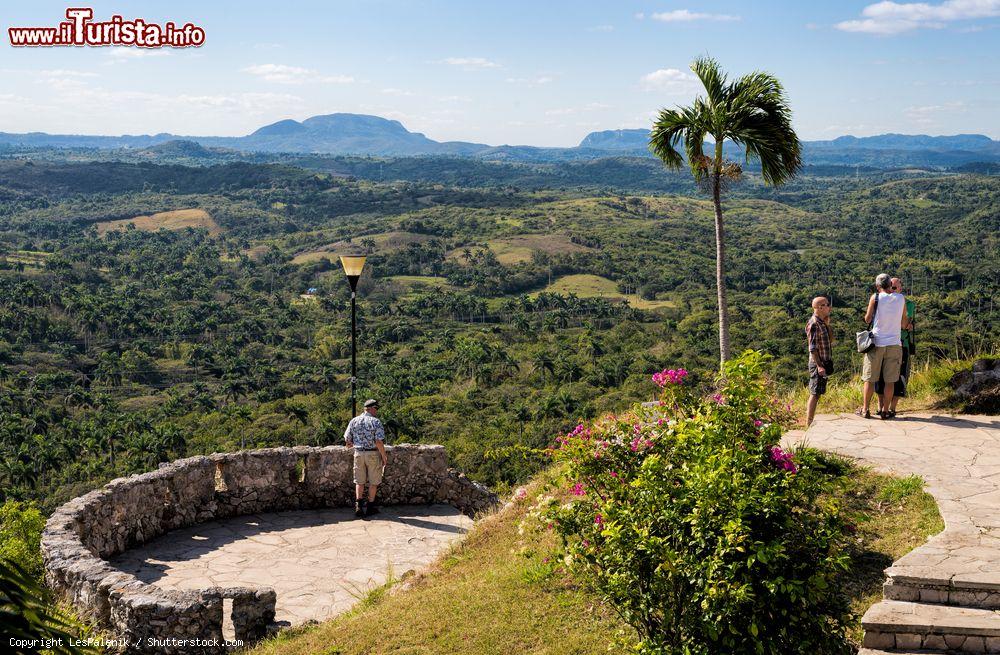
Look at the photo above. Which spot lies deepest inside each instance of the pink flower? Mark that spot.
(586, 544)
(757, 423)
(669, 376)
(614, 474)
(718, 398)
(783, 459)
(598, 520)
(578, 489)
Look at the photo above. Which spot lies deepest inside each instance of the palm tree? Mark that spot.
(752, 112)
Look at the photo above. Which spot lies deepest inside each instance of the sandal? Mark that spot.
(863, 414)
(884, 416)
(892, 413)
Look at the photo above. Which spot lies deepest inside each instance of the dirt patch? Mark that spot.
(172, 220)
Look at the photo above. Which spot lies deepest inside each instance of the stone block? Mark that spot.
(908, 640)
(879, 640)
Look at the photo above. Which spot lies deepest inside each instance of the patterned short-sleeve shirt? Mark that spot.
(363, 431)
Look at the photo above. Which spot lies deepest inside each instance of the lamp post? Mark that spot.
(353, 265)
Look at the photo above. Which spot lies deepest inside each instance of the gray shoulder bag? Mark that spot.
(865, 338)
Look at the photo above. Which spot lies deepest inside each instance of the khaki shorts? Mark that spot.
(367, 467)
(884, 362)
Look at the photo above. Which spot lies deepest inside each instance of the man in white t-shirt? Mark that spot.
(886, 312)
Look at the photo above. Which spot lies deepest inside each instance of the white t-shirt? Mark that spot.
(888, 317)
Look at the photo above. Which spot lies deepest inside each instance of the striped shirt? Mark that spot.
(363, 431)
(818, 338)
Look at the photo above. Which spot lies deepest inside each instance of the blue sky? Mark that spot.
(541, 72)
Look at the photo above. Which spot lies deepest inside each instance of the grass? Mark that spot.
(928, 389)
(519, 248)
(172, 220)
(418, 281)
(492, 594)
(27, 257)
(384, 243)
(502, 593)
(595, 286)
(893, 516)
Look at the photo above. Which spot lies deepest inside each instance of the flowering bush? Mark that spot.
(698, 529)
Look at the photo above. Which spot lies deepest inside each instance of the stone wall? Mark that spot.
(82, 534)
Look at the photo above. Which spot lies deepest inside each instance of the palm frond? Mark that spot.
(760, 120)
(668, 132)
(712, 78)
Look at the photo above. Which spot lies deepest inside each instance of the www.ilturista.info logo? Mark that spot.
(80, 30)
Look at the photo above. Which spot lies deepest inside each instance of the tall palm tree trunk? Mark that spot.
(720, 266)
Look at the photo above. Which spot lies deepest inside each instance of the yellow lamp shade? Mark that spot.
(352, 264)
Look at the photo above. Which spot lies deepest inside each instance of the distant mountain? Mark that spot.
(182, 148)
(349, 134)
(617, 140)
(360, 134)
(968, 142)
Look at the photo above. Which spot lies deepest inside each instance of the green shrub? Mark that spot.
(698, 530)
(21, 527)
(29, 623)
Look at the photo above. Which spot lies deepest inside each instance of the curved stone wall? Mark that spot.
(82, 534)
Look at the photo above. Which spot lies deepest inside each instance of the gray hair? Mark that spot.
(883, 281)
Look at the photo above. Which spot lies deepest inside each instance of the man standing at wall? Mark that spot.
(820, 353)
(366, 435)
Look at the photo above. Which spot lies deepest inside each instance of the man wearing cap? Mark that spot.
(366, 435)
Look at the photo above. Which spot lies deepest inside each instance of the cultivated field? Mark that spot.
(595, 286)
(518, 249)
(385, 242)
(172, 220)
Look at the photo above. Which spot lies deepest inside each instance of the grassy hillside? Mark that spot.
(177, 219)
(503, 590)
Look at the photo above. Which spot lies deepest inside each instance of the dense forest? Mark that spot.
(491, 315)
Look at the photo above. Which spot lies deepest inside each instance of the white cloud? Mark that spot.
(889, 17)
(282, 74)
(470, 63)
(669, 79)
(590, 106)
(686, 16)
(455, 99)
(62, 72)
(396, 92)
(928, 114)
(530, 81)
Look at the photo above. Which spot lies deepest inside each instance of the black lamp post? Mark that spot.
(353, 264)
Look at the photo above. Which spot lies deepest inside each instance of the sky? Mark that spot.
(538, 72)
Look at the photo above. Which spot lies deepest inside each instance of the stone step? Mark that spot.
(902, 626)
(873, 651)
(942, 591)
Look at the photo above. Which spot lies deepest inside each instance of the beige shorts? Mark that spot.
(367, 467)
(884, 362)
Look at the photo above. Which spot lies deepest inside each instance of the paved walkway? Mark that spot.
(952, 582)
(320, 562)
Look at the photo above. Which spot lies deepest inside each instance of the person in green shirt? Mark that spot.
(907, 337)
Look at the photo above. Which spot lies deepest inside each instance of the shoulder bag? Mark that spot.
(865, 338)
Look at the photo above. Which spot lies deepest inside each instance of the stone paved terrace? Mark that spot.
(320, 562)
(944, 596)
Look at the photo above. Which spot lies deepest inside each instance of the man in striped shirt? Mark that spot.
(820, 353)
(367, 436)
